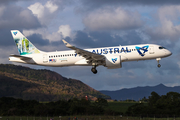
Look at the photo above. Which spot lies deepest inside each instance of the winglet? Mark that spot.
(67, 44)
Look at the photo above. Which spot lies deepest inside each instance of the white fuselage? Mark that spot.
(70, 58)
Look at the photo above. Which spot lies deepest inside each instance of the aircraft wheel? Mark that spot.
(94, 70)
(159, 65)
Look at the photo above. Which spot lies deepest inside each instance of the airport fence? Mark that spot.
(104, 117)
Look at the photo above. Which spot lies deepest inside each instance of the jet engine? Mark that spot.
(113, 62)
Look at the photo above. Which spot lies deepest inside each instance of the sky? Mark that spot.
(98, 23)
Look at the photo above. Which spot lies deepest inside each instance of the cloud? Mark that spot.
(6, 38)
(9, 1)
(46, 12)
(55, 36)
(5, 52)
(2, 8)
(63, 32)
(15, 17)
(92, 39)
(45, 44)
(112, 19)
(37, 39)
(98, 3)
(169, 28)
(102, 24)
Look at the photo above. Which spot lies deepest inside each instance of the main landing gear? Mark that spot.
(94, 69)
(159, 65)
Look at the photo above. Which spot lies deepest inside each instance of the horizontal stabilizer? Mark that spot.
(20, 57)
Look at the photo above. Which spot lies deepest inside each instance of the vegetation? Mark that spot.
(19, 107)
(164, 105)
(120, 106)
(29, 86)
(86, 117)
(41, 85)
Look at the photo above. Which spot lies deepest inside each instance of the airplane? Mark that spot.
(110, 57)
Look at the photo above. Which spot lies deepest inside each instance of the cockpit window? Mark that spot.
(162, 48)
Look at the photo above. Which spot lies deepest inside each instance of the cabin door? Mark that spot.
(151, 49)
(45, 59)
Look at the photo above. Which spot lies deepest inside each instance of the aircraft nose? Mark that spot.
(168, 53)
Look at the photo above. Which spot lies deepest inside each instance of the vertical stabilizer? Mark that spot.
(24, 46)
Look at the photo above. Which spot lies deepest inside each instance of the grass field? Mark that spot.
(82, 118)
(120, 106)
(115, 106)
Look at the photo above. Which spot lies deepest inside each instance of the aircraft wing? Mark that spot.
(20, 57)
(86, 54)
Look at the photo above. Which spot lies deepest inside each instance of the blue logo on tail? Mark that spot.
(140, 49)
(15, 33)
(114, 60)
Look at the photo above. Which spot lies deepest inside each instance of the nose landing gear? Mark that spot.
(159, 65)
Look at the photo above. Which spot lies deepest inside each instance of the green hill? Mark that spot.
(42, 85)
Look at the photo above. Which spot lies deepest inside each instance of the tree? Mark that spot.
(165, 104)
(169, 103)
(153, 99)
(136, 109)
(100, 105)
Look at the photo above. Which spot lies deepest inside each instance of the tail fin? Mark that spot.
(23, 44)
